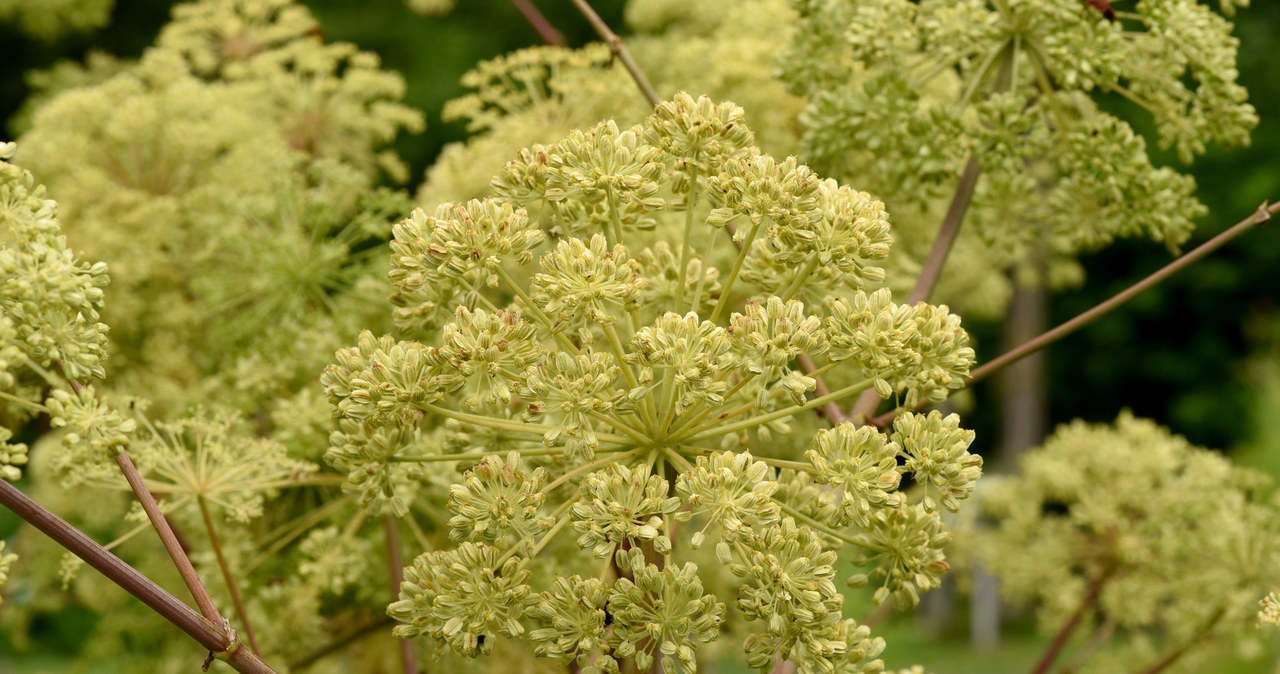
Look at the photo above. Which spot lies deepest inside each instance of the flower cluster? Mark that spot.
(231, 176)
(49, 309)
(6, 560)
(899, 94)
(589, 385)
(1176, 541)
(1269, 610)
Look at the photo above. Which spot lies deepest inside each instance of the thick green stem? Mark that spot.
(691, 200)
(727, 291)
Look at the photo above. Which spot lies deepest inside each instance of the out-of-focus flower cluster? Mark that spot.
(1178, 542)
(900, 93)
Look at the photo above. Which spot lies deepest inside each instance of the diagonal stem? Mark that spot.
(1064, 633)
(1264, 213)
(167, 537)
(619, 50)
(546, 31)
(211, 635)
(227, 577)
(1201, 633)
(942, 245)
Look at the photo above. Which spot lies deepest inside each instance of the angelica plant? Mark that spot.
(599, 385)
(239, 271)
(1133, 531)
(620, 325)
(900, 94)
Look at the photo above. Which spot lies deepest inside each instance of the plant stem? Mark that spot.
(24, 402)
(537, 311)
(1201, 632)
(817, 525)
(585, 468)
(726, 291)
(785, 412)
(561, 517)
(170, 541)
(691, 200)
(799, 466)
(1264, 213)
(340, 643)
(546, 31)
(1064, 633)
(831, 410)
(803, 276)
(932, 270)
(476, 456)
(678, 460)
(933, 264)
(226, 574)
(620, 354)
(507, 424)
(408, 659)
(960, 201)
(213, 636)
(619, 50)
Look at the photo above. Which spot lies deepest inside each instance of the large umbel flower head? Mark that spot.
(901, 93)
(571, 319)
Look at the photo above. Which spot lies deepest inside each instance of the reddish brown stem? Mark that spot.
(932, 269)
(937, 259)
(210, 635)
(167, 537)
(229, 579)
(546, 31)
(1177, 653)
(619, 50)
(1264, 213)
(340, 643)
(1060, 639)
(408, 659)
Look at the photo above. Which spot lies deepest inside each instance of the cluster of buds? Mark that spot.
(612, 342)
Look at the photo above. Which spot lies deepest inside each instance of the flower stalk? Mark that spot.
(216, 637)
(1264, 214)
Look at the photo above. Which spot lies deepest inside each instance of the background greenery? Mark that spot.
(1201, 352)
